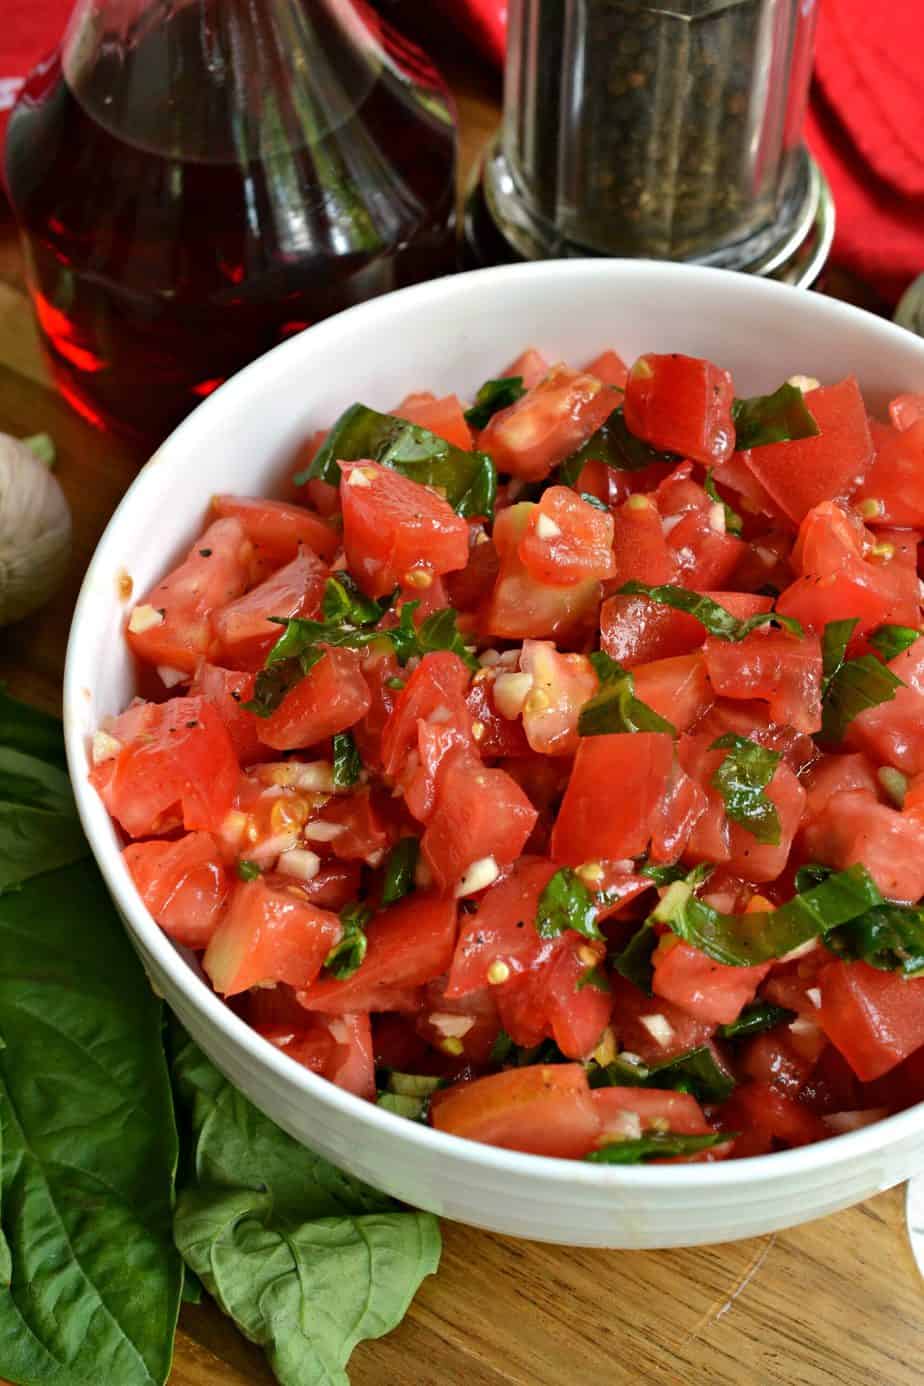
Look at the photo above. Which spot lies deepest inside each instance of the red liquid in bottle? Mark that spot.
(161, 261)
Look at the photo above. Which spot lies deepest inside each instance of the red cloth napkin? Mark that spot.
(29, 30)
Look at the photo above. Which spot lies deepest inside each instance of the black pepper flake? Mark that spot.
(235, 695)
(192, 724)
(206, 553)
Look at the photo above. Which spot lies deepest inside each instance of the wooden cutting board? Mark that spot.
(834, 1303)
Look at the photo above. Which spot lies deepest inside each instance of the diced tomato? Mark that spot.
(330, 698)
(853, 828)
(393, 527)
(381, 670)
(471, 587)
(548, 423)
(556, 999)
(641, 552)
(773, 1058)
(183, 884)
(502, 929)
(892, 732)
(270, 933)
(478, 813)
(635, 630)
(214, 572)
(656, 1108)
(531, 366)
(901, 1087)
(681, 404)
(445, 417)
(610, 368)
(677, 689)
(706, 556)
(735, 475)
(905, 410)
(566, 540)
(520, 607)
(352, 1065)
(676, 816)
(668, 1033)
(705, 989)
(779, 669)
(227, 690)
(764, 1109)
(875, 1018)
(276, 530)
(831, 775)
(363, 835)
(541, 1110)
(495, 736)
(561, 685)
(430, 718)
(470, 1022)
(614, 788)
(335, 886)
(763, 861)
(178, 768)
(893, 490)
(244, 627)
(409, 944)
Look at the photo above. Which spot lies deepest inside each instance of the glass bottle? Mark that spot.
(196, 180)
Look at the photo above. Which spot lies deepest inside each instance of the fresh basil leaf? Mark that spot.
(566, 903)
(467, 479)
(890, 641)
(634, 962)
(858, 684)
(812, 874)
(699, 1071)
(616, 709)
(347, 765)
(754, 1019)
(305, 1259)
(656, 1145)
(742, 780)
(92, 1279)
(594, 977)
(782, 417)
(888, 937)
(440, 631)
(834, 641)
(248, 870)
(607, 670)
(663, 875)
(502, 1048)
(743, 940)
(715, 618)
(347, 955)
(616, 446)
(493, 396)
(192, 1287)
(733, 521)
(34, 733)
(39, 828)
(343, 603)
(400, 869)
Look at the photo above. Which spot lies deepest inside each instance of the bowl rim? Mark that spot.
(252, 380)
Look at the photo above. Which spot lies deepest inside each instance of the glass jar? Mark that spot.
(667, 129)
(197, 179)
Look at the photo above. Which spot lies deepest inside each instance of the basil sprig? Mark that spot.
(616, 446)
(658, 1145)
(782, 417)
(615, 708)
(493, 396)
(566, 903)
(715, 618)
(468, 480)
(742, 780)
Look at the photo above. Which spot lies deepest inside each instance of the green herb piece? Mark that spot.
(248, 870)
(663, 875)
(91, 1278)
(347, 764)
(595, 501)
(733, 521)
(593, 977)
(39, 828)
(399, 1104)
(710, 614)
(616, 446)
(890, 641)
(343, 603)
(754, 1019)
(400, 869)
(834, 641)
(743, 940)
(657, 1145)
(888, 937)
(566, 903)
(305, 1259)
(782, 417)
(411, 1084)
(440, 631)
(395, 683)
(634, 962)
(346, 956)
(742, 780)
(699, 1071)
(42, 447)
(502, 1048)
(615, 708)
(493, 396)
(504, 1051)
(467, 479)
(858, 684)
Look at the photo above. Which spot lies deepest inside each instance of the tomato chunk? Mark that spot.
(244, 627)
(276, 529)
(892, 733)
(331, 697)
(610, 368)
(705, 989)
(183, 884)
(228, 690)
(478, 813)
(393, 527)
(269, 934)
(444, 417)
(541, 1110)
(566, 540)
(614, 787)
(681, 404)
(875, 1018)
(657, 1110)
(653, 1027)
(502, 929)
(522, 607)
(561, 685)
(548, 423)
(775, 667)
(678, 689)
(853, 828)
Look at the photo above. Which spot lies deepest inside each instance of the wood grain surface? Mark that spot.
(833, 1303)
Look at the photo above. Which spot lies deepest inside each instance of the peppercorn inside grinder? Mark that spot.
(670, 130)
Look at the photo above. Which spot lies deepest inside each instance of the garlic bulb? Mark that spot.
(35, 531)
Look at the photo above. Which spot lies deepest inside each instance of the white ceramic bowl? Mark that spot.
(451, 335)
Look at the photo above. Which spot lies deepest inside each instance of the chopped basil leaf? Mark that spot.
(782, 417)
(410, 1084)
(858, 684)
(439, 631)
(663, 875)
(467, 479)
(595, 501)
(566, 903)
(395, 683)
(343, 602)
(347, 764)
(616, 446)
(890, 641)
(502, 1048)
(616, 708)
(634, 962)
(594, 977)
(699, 1071)
(655, 1145)
(248, 870)
(743, 940)
(607, 670)
(493, 396)
(889, 937)
(715, 618)
(742, 780)
(400, 868)
(834, 642)
(345, 957)
(754, 1019)
(399, 1104)
(733, 521)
